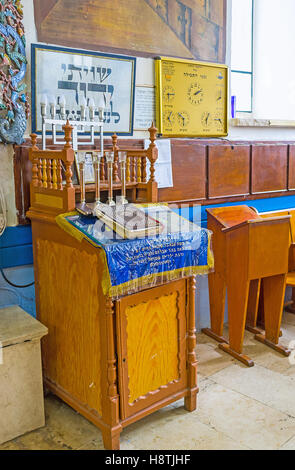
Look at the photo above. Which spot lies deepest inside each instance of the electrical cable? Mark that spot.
(15, 285)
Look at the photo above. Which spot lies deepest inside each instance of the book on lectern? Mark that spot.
(128, 221)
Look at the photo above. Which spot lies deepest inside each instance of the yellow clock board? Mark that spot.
(191, 98)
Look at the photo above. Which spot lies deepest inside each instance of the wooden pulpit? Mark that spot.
(248, 250)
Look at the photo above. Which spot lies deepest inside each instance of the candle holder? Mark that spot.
(110, 161)
(82, 207)
(96, 165)
(122, 160)
(81, 126)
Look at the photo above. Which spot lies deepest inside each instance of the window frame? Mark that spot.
(252, 65)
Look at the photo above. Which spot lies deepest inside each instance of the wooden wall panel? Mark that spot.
(269, 168)
(291, 173)
(205, 171)
(228, 170)
(152, 342)
(71, 351)
(189, 172)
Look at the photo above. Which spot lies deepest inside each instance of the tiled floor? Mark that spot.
(238, 408)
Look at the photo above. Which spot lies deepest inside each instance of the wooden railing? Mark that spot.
(136, 166)
(51, 185)
(52, 188)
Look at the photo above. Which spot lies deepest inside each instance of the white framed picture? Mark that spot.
(77, 77)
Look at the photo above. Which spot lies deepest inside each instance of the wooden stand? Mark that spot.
(113, 360)
(249, 251)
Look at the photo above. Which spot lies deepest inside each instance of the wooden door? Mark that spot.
(151, 328)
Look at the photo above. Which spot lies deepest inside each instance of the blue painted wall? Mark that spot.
(9, 295)
(16, 258)
(16, 246)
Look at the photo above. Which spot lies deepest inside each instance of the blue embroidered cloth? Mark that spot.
(183, 249)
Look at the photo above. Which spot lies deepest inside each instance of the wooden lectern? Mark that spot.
(248, 250)
(113, 359)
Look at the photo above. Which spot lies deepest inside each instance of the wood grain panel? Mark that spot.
(42, 9)
(228, 170)
(152, 355)
(291, 173)
(143, 27)
(71, 352)
(269, 168)
(152, 342)
(189, 172)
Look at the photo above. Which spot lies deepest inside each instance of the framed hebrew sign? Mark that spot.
(191, 98)
(73, 79)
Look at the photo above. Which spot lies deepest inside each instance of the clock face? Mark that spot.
(195, 93)
(168, 94)
(183, 119)
(169, 118)
(218, 121)
(206, 119)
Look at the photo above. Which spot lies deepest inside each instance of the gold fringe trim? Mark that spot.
(150, 279)
(144, 281)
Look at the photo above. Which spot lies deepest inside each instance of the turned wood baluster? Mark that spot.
(132, 169)
(68, 164)
(69, 175)
(49, 173)
(190, 400)
(112, 361)
(35, 181)
(111, 434)
(115, 164)
(143, 168)
(40, 179)
(54, 174)
(59, 175)
(67, 128)
(152, 152)
(138, 170)
(44, 173)
(127, 169)
(34, 141)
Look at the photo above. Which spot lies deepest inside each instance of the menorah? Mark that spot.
(82, 123)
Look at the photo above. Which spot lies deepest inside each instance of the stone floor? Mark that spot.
(238, 408)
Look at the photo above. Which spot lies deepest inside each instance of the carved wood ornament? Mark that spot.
(14, 106)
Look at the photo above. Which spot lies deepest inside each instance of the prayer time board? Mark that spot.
(191, 98)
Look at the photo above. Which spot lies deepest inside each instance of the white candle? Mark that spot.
(44, 102)
(52, 102)
(62, 103)
(101, 106)
(91, 106)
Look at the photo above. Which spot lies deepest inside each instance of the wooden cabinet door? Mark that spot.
(151, 332)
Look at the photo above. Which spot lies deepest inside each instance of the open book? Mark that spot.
(128, 221)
